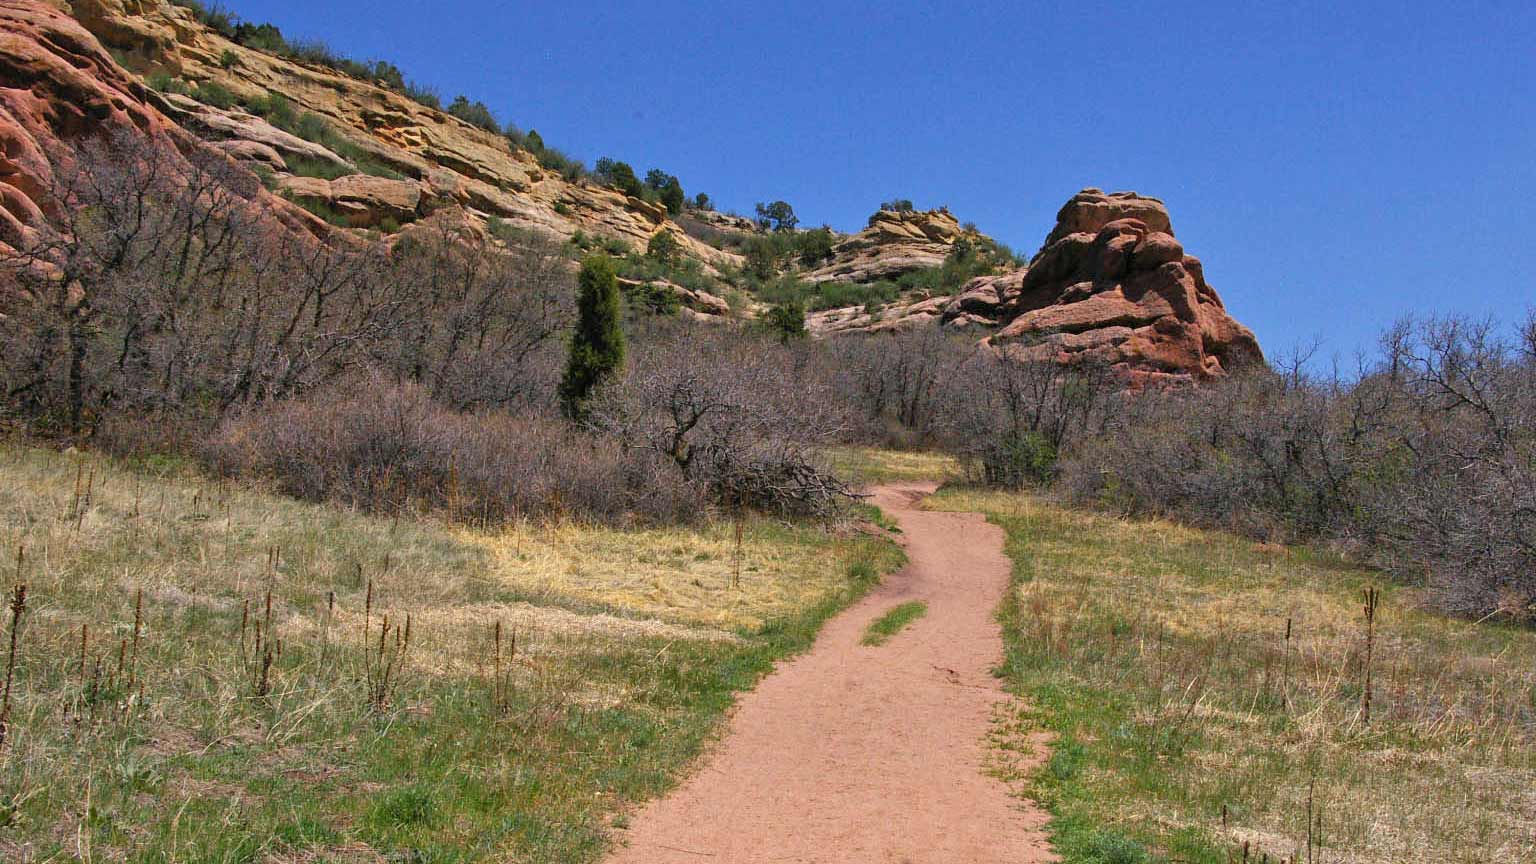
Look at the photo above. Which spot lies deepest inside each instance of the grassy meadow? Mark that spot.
(206, 673)
(1204, 697)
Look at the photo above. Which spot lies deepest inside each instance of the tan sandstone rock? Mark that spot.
(893, 243)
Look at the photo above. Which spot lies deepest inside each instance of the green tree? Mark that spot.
(762, 255)
(787, 320)
(619, 175)
(474, 113)
(597, 345)
(814, 245)
(778, 215)
(668, 189)
(663, 249)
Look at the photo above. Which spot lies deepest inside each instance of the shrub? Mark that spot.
(786, 320)
(597, 344)
(475, 114)
(261, 37)
(316, 129)
(215, 94)
(663, 248)
(211, 15)
(814, 246)
(619, 175)
(667, 189)
(161, 82)
(763, 256)
(276, 109)
(567, 167)
(653, 299)
(385, 448)
(736, 416)
(301, 166)
(422, 95)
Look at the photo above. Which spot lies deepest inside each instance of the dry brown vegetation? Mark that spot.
(207, 672)
(1207, 694)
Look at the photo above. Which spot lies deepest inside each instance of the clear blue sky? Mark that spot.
(1335, 165)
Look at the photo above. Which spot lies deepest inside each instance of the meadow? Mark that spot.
(204, 672)
(1211, 699)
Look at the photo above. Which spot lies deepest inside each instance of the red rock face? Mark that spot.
(59, 86)
(56, 84)
(1112, 285)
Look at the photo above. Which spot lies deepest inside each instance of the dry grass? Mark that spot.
(687, 576)
(870, 466)
(191, 743)
(1186, 721)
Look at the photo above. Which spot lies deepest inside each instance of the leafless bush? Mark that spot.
(736, 414)
(1424, 462)
(163, 294)
(1009, 420)
(387, 447)
(895, 384)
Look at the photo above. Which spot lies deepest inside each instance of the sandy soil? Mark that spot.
(855, 754)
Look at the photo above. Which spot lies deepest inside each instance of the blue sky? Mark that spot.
(1335, 165)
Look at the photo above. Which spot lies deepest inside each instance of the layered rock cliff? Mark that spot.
(894, 242)
(1110, 284)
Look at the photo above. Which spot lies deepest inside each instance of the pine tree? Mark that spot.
(597, 346)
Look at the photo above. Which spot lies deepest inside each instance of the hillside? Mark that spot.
(351, 147)
(209, 673)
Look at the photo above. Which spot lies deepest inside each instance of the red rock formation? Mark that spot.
(1111, 284)
(58, 87)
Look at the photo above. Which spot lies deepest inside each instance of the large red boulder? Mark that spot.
(1112, 285)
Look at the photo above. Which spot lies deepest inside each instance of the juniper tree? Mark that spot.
(597, 345)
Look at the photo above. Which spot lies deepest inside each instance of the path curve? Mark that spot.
(852, 754)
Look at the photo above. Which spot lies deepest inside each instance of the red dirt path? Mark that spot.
(853, 754)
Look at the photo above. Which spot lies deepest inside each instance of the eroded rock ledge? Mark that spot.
(1111, 284)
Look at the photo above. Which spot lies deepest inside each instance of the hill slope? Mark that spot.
(344, 146)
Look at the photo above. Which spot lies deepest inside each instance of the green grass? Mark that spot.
(892, 622)
(179, 753)
(1185, 723)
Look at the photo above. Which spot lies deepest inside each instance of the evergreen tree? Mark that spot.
(597, 345)
(787, 321)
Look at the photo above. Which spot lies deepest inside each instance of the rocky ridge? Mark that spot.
(894, 242)
(1111, 285)
(435, 159)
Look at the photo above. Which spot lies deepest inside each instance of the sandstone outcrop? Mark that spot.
(1112, 285)
(890, 318)
(701, 305)
(895, 242)
(449, 161)
(364, 201)
(61, 89)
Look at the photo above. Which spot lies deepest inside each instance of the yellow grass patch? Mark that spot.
(696, 576)
(869, 465)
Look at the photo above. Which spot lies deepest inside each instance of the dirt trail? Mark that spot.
(851, 754)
